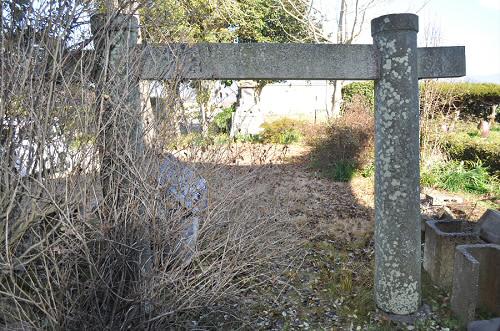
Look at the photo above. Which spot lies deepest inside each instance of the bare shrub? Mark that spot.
(90, 240)
(348, 143)
(438, 115)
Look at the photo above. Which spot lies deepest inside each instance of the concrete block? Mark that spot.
(485, 325)
(489, 226)
(475, 282)
(441, 238)
(438, 199)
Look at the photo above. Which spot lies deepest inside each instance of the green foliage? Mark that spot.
(364, 89)
(473, 99)
(342, 171)
(222, 121)
(368, 170)
(249, 138)
(284, 131)
(81, 140)
(221, 139)
(225, 21)
(457, 176)
(469, 146)
(189, 140)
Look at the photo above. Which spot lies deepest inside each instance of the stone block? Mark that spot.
(441, 238)
(485, 325)
(438, 199)
(188, 190)
(489, 226)
(475, 282)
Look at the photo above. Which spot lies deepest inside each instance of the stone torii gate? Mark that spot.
(393, 61)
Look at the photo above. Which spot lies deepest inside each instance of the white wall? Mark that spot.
(298, 99)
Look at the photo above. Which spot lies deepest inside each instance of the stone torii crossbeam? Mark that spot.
(395, 64)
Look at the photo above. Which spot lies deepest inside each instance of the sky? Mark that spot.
(474, 24)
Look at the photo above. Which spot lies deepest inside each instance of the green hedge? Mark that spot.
(465, 146)
(473, 99)
(364, 89)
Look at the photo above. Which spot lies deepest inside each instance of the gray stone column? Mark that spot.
(121, 133)
(120, 141)
(397, 200)
(248, 117)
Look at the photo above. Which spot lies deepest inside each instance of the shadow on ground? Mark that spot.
(330, 284)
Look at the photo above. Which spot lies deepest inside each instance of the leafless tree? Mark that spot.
(89, 237)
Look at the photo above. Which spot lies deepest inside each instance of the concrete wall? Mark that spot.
(308, 100)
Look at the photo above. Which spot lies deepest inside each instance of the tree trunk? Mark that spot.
(336, 98)
(337, 84)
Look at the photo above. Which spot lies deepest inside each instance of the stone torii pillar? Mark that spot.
(397, 165)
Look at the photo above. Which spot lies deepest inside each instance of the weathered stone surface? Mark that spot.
(489, 226)
(441, 62)
(484, 325)
(248, 117)
(287, 61)
(402, 321)
(438, 199)
(441, 238)
(260, 61)
(396, 64)
(123, 134)
(397, 203)
(183, 185)
(475, 280)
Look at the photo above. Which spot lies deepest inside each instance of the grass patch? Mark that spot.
(345, 279)
(466, 176)
(342, 171)
(469, 146)
(439, 301)
(368, 171)
(249, 138)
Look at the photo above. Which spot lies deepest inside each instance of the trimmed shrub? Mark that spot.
(283, 131)
(468, 146)
(364, 89)
(474, 100)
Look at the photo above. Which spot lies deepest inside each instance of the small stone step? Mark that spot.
(437, 199)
